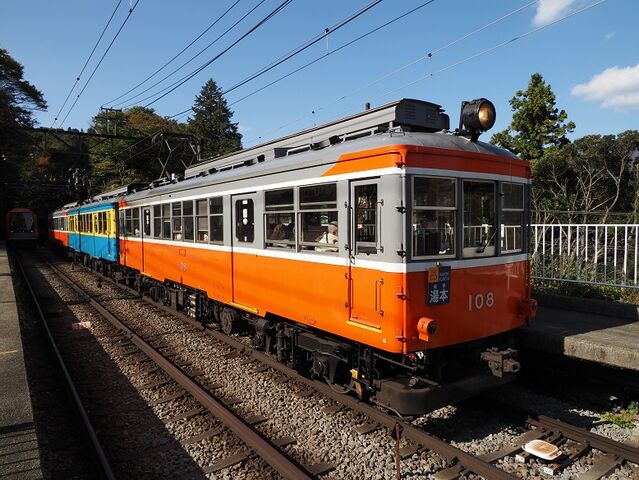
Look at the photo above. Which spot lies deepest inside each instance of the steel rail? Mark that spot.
(105, 467)
(452, 454)
(285, 466)
(604, 444)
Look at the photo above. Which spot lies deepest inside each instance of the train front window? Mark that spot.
(512, 217)
(479, 219)
(434, 210)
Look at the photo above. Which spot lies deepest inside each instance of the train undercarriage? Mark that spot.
(409, 385)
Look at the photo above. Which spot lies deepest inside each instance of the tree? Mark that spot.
(18, 100)
(536, 124)
(212, 122)
(118, 162)
(595, 174)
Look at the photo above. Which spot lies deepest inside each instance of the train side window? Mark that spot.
(512, 217)
(434, 212)
(136, 222)
(176, 210)
(157, 221)
(128, 221)
(319, 218)
(187, 219)
(244, 220)
(201, 220)
(279, 218)
(216, 211)
(166, 221)
(479, 218)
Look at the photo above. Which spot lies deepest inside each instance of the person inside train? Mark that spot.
(329, 237)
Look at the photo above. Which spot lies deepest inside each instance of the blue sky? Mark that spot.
(591, 59)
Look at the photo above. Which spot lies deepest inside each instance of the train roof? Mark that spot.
(20, 210)
(402, 122)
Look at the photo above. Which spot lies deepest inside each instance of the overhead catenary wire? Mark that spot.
(493, 48)
(77, 78)
(476, 55)
(215, 22)
(183, 79)
(300, 48)
(95, 69)
(278, 9)
(166, 77)
(428, 55)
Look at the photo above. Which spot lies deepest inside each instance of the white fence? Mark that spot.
(586, 253)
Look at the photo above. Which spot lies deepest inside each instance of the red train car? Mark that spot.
(21, 225)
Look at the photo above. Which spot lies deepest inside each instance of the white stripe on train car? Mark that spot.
(329, 259)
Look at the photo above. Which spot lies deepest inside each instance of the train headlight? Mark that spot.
(476, 116)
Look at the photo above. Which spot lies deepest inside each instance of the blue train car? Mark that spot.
(93, 230)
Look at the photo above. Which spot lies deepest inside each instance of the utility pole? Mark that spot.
(106, 111)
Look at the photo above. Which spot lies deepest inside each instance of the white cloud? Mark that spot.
(551, 10)
(609, 35)
(615, 87)
(243, 128)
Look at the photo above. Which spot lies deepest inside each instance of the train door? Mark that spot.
(146, 231)
(245, 239)
(94, 233)
(123, 237)
(365, 285)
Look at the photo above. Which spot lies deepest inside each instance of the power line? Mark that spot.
(429, 55)
(283, 5)
(184, 64)
(299, 49)
(178, 54)
(77, 78)
(100, 62)
(327, 54)
(493, 48)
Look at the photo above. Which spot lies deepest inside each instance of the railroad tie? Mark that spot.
(228, 462)
(212, 432)
(603, 466)
(367, 428)
(167, 398)
(183, 416)
(157, 383)
(320, 468)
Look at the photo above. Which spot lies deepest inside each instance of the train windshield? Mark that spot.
(459, 218)
(21, 222)
(479, 218)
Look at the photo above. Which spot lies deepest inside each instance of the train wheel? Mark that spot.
(230, 321)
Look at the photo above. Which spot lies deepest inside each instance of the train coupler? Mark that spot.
(501, 362)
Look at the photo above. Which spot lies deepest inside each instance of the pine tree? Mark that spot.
(537, 123)
(212, 122)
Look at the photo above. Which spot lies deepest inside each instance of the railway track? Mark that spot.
(255, 444)
(101, 464)
(456, 462)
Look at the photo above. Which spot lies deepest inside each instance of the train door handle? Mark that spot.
(380, 204)
(378, 296)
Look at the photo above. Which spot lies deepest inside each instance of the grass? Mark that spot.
(624, 418)
(613, 294)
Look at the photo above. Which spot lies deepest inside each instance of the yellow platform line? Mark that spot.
(9, 352)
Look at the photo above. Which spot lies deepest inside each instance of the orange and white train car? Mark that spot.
(378, 252)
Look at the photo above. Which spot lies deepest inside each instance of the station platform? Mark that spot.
(19, 453)
(586, 329)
